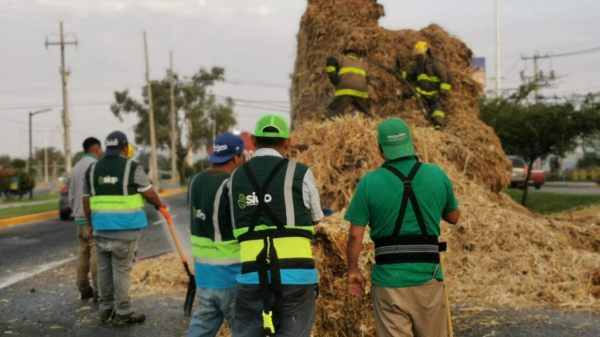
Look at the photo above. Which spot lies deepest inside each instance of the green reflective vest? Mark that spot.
(212, 237)
(115, 201)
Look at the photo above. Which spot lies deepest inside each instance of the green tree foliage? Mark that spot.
(7, 182)
(18, 163)
(537, 130)
(4, 161)
(193, 102)
(54, 155)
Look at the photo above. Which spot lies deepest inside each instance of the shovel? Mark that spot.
(191, 290)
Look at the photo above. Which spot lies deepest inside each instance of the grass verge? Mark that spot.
(15, 199)
(550, 203)
(12, 212)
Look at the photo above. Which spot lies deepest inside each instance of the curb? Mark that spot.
(54, 214)
(28, 218)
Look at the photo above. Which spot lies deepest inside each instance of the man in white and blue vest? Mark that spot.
(274, 206)
(113, 198)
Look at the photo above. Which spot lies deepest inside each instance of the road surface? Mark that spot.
(38, 296)
(569, 188)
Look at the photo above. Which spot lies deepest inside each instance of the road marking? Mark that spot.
(18, 277)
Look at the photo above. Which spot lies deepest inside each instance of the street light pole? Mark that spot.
(31, 114)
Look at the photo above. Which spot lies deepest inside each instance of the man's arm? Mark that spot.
(312, 200)
(145, 188)
(356, 281)
(451, 217)
(442, 74)
(87, 209)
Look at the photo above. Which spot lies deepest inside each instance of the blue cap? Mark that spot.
(226, 147)
(114, 143)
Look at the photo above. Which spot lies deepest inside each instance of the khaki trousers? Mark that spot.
(411, 311)
(115, 261)
(87, 261)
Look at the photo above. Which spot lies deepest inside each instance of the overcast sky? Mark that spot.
(255, 41)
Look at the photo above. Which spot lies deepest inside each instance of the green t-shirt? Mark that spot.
(376, 203)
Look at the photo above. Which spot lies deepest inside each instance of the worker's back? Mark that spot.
(381, 193)
(352, 74)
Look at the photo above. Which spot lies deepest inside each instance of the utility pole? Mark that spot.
(188, 126)
(64, 74)
(498, 74)
(537, 76)
(153, 154)
(45, 157)
(173, 121)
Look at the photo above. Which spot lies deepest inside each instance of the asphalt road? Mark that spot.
(568, 189)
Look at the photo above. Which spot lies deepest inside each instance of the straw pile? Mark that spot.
(330, 26)
(499, 253)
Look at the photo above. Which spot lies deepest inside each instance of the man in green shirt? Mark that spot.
(403, 203)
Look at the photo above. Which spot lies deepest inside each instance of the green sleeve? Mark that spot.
(358, 212)
(451, 201)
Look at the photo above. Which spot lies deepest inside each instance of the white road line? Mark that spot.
(18, 277)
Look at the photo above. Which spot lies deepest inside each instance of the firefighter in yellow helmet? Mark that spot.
(432, 82)
(348, 72)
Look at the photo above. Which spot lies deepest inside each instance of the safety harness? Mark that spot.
(267, 259)
(408, 248)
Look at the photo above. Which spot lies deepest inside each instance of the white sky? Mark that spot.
(255, 41)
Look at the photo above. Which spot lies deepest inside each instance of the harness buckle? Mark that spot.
(268, 323)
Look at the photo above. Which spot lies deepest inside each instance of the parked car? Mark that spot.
(537, 178)
(64, 209)
(519, 172)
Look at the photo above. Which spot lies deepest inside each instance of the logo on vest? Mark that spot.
(219, 148)
(107, 180)
(251, 200)
(200, 215)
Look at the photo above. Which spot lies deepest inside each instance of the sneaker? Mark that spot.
(131, 318)
(107, 315)
(87, 295)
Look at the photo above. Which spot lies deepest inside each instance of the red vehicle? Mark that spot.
(537, 178)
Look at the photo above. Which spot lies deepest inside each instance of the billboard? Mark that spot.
(478, 64)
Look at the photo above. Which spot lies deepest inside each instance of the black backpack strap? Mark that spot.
(408, 194)
(262, 205)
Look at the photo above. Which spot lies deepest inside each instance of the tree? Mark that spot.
(18, 163)
(4, 161)
(193, 103)
(537, 130)
(54, 155)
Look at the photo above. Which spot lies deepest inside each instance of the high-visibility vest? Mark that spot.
(272, 225)
(352, 77)
(115, 201)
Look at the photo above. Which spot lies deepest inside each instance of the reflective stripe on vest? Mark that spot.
(330, 69)
(445, 86)
(425, 93)
(352, 70)
(425, 77)
(351, 92)
(222, 253)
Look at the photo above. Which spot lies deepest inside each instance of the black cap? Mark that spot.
(114, 143)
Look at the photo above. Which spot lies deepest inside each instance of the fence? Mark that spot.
(592, 174)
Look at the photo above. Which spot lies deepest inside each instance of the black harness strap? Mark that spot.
(267, 260)
(409, 194)
(262, 205)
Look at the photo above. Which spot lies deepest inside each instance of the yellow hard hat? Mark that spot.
(420, 48)
(131, 150)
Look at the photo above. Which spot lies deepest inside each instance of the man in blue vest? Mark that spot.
(113, 199)
(408, 287)
(216, 251)
(274, 206)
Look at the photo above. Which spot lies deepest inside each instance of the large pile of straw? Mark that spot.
(330, 26)
(499, 253)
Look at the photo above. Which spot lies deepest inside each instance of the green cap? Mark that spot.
(394, 137)
(272, 120)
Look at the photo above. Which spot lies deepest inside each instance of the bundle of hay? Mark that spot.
(330, 26)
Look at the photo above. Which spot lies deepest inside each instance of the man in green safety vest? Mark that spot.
(349, 75)
(113, 199)
(432, 82)
(216, 251)
(407, 281)
(274, 207)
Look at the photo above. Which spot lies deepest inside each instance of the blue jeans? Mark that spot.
(214, 305)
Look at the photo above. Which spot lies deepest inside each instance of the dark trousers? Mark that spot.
(339, 104)
(435, 106)
(297, 315)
